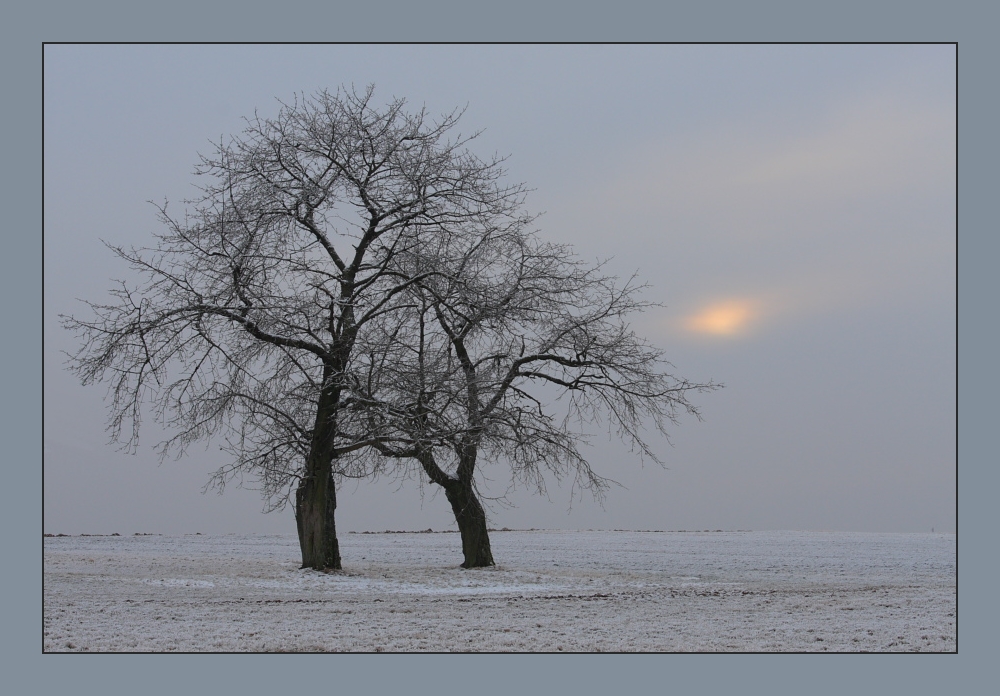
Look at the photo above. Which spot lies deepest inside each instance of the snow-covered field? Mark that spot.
(551, 591)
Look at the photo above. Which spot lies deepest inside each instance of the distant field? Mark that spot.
(551, 591)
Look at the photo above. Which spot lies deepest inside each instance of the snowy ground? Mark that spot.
(552, 591)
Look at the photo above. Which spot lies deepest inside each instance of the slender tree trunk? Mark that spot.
(315, 504)
(471, 518)
(469, 512)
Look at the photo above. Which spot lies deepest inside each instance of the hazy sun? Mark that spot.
(723, 318)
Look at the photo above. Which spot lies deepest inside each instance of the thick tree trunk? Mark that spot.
(471, 520)
(316, 496)
(315, 504)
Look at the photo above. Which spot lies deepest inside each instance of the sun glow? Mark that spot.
(722, 318)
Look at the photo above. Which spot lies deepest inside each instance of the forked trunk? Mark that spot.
(315, 504)
(471, 518)
(469, 513)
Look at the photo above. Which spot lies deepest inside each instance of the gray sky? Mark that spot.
(793, 207)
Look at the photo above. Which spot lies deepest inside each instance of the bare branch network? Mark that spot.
(355, 292)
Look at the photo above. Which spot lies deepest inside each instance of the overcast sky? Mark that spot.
(792, 207)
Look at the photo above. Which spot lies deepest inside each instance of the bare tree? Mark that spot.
(503, 329)
(246, 325)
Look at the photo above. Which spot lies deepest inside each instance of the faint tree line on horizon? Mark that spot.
(354, 293)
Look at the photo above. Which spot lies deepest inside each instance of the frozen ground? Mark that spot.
(552, 591)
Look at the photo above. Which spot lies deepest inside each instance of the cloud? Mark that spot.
(753, 309)
(743, 225)
(756, 181)
(865, 150)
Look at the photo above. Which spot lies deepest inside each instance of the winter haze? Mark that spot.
(792, 208)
